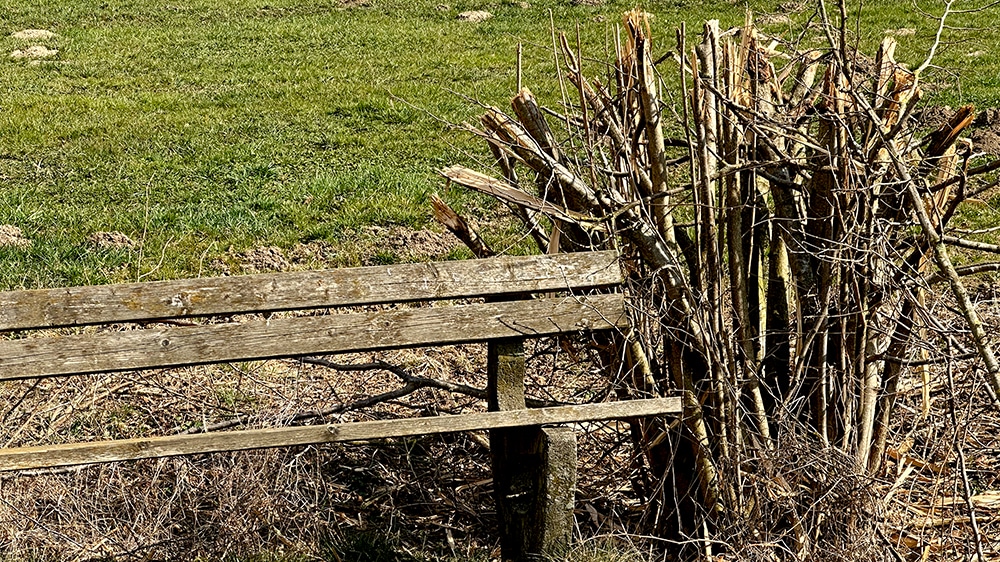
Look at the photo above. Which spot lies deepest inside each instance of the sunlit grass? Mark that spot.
(208, 126)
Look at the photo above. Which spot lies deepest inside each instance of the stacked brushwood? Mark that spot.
(781, 248)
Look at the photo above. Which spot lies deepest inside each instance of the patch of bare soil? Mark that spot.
(774, 19)
(984, 132)
(934, 116)
(34, 52)
(792, 7)
(33, 35)
(11, 236)
(269, 259)
(986, 140)
(111, 240)
(413, 245)
(312, 255)
(474, 16)
(375, 245)
(263, 260)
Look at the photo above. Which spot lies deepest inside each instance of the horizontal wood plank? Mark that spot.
(173, 346)
(77, 306)
(155, 447)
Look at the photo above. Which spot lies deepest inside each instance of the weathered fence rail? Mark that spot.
(173, 445)
(534, 465)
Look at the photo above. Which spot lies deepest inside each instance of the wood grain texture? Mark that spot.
(154, 447)
(504, 191)
(172, 346)
(515, 454)
(75, 306)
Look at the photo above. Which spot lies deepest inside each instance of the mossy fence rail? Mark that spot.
(534, 465)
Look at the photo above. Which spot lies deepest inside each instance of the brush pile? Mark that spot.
(790, 250)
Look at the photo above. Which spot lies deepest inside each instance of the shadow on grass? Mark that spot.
(365, 546)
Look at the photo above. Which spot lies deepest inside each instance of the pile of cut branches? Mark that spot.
(781, 251)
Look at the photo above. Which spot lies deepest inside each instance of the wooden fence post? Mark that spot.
(534, 470)
(558, 493)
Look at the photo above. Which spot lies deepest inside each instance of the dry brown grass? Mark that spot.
(925, 503)
(430, 494)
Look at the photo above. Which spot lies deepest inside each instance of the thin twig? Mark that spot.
(411, 384)
(960, 430)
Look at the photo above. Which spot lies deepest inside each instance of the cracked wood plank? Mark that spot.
(176, 346)
(77, 306)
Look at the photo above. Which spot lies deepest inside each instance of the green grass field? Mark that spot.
(200, 128)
